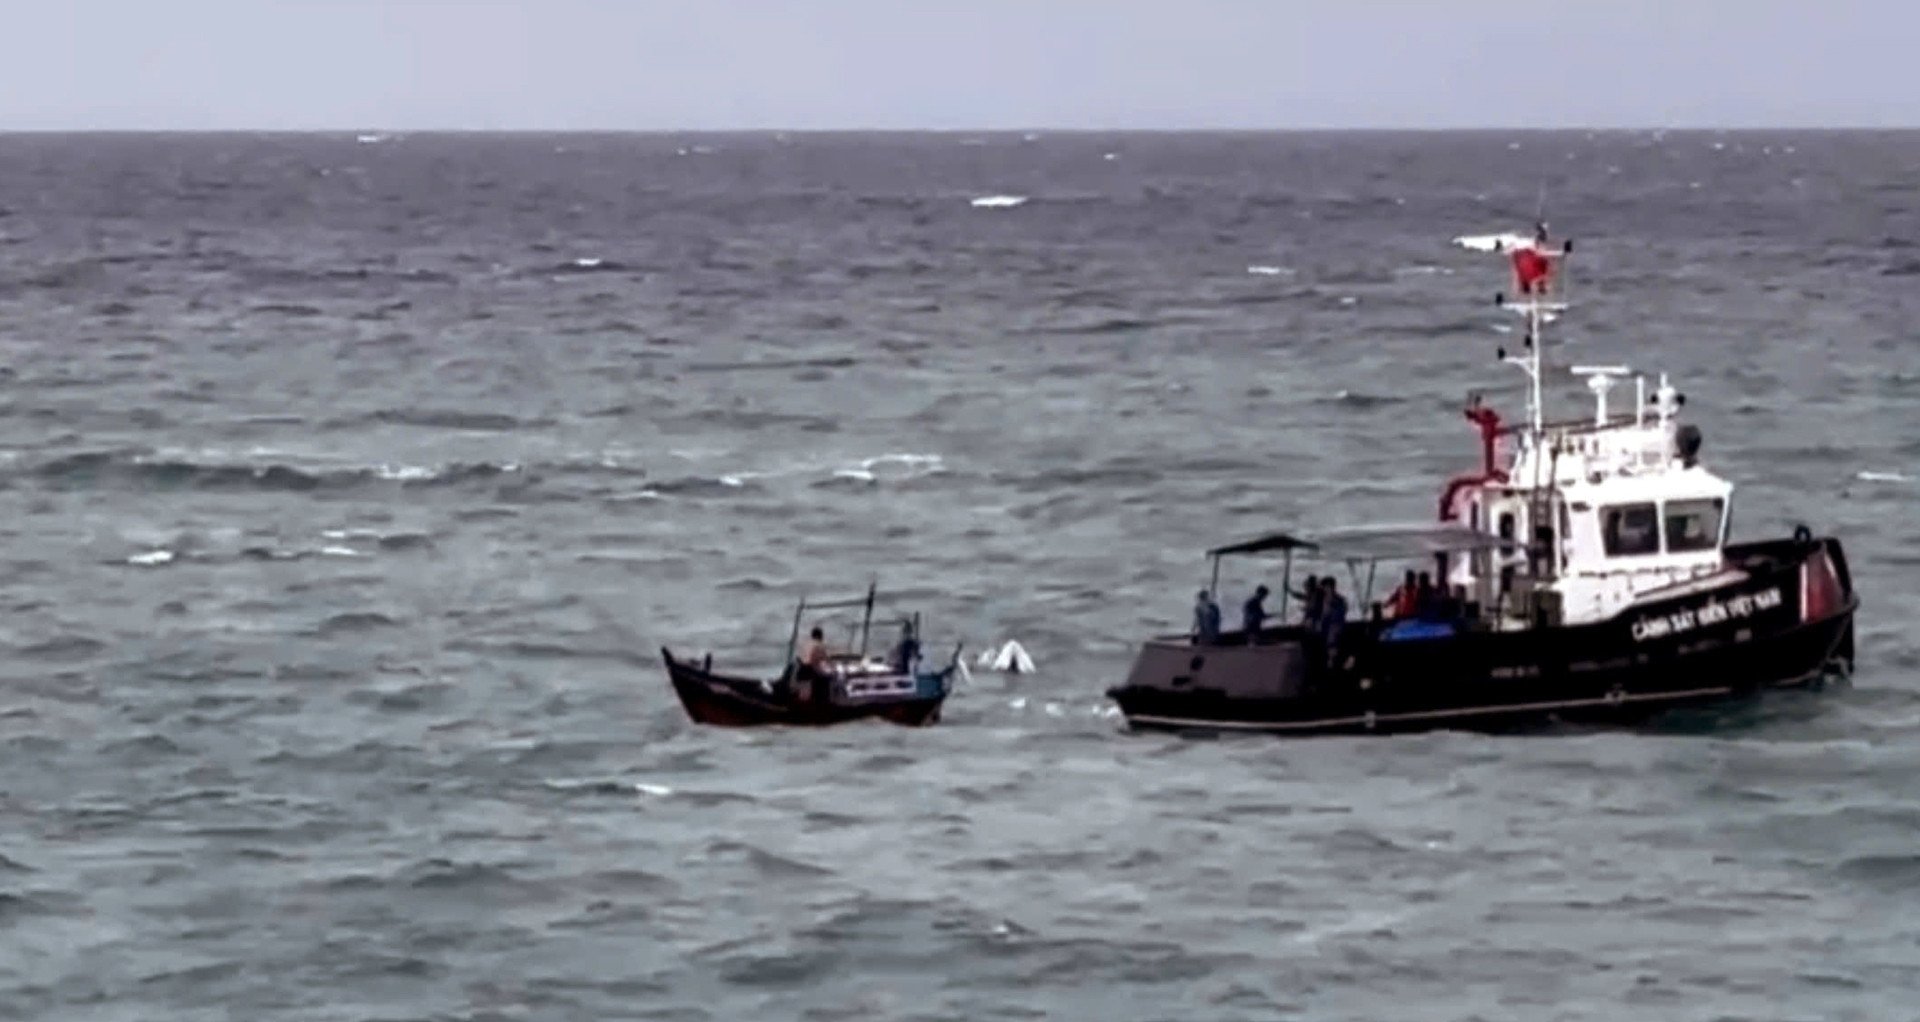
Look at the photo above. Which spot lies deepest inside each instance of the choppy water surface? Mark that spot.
(351, 489)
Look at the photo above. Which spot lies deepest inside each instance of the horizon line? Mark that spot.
(366, 129)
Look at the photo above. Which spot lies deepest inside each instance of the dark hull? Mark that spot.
(724, 701)
(1765, 631)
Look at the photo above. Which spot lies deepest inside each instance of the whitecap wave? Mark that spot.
(405, 473)
(1262, 270)
(1871, 476)
(896, 466)
(999, 201)
(152, 558)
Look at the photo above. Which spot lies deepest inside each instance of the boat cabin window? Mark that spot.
(1630, 530)
(1693, 524)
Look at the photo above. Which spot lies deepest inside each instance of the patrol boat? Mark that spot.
(1588, 577)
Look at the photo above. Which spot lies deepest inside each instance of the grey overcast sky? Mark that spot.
(826, 64)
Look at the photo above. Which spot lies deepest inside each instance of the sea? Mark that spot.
(354, 483)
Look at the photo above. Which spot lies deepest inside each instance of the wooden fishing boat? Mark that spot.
(853, 684)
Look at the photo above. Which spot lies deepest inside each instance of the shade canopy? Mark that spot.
(1262, 544)
(1375, 542)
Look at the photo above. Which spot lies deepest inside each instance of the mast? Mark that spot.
(1534, 268)
(1533, 271)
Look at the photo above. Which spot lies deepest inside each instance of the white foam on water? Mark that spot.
(340, 551)
(658, 790)
(1260, 270)
(1883, 477)
(588, 262)
(999, 201)
(152, 558)
(408, 473)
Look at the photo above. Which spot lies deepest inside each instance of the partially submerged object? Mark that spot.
(1011, 658)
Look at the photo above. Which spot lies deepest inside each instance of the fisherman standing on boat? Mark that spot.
(812, 672)
(908, 649)
(1206, 620)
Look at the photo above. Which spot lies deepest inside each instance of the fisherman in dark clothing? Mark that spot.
(908, 649)
(1206, 620)
(1253, 614)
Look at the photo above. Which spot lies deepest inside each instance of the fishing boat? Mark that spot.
(852, 684)
(1583, 572)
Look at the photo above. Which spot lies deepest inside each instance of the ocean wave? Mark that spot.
(99, 469)
(998, 201)
(483, 422)
(891, 468)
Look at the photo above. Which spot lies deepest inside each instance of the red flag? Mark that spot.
(1531, 268)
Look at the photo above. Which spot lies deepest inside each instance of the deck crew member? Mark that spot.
(1333, 615)
(1206, 620)
(1405, 601)
(1489, 422)
(1253, 614)
(1309, 598)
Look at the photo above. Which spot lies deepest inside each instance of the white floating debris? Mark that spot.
(1011, 659)
(1491, 242)
(999, 201)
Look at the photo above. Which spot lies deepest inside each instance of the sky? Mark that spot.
(650, 65)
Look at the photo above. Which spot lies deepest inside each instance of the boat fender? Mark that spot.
(1802, 534)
